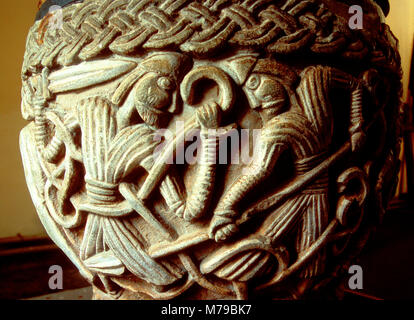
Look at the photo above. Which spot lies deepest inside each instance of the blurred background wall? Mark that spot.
(401, 21)
(17, 214)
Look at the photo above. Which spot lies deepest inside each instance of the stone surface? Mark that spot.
(131, 104)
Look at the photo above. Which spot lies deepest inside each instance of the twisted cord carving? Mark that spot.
(199, 28)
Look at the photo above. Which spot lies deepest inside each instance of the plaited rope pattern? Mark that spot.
(199, 28)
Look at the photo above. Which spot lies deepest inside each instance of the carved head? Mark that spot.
(265, 88)
(265, 93)
(155, 84)
(156, 91)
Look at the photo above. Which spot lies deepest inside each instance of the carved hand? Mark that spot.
(369, 79)
(208, 116)
(357, 140)
(178, 208)
(222, 227)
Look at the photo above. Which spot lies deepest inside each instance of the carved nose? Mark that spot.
(173, 107)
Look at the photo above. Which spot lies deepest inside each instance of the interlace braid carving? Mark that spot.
(199, 28)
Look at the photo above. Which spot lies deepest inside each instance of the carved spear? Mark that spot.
(184, 242)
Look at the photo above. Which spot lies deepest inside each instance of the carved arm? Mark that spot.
(222, 225)
(344, 80)
(197, 202)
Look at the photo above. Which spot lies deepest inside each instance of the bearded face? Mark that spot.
(265, 94)
(156, 89)
(155, 99)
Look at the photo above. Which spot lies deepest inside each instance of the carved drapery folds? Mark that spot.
(126, 93)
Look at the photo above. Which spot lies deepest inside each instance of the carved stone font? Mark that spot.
(210, 149)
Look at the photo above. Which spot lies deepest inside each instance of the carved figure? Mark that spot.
(306, 128)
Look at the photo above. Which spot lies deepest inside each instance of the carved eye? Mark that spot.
(165, 83)
(253, 82)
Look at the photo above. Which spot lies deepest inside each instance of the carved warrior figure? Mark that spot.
(106, 90)
(110, 151)
(306, 128)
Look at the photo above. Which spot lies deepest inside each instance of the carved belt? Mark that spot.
(302, 166)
